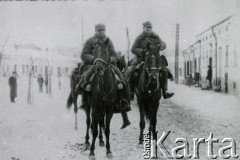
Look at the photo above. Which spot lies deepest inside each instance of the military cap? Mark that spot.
(99, 26)
(146, 24)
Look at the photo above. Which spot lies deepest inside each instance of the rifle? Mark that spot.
(128, 49)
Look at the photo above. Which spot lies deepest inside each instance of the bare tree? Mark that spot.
(30, 85)
(1, 53)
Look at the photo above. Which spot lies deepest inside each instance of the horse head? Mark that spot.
(102, 56)
(152, 66)
(121, 64)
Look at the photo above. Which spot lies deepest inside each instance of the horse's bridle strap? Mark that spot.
(99, 59)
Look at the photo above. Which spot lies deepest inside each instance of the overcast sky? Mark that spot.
(59, 23)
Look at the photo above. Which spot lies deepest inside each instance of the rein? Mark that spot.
(150, 69)
(101, 60)
(103, 93)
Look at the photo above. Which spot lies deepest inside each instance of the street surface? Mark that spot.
(45, 130)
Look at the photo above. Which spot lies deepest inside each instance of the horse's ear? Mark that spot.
(106, 42)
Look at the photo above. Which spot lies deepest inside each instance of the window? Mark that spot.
(203, 60)
(235, 58)
(27, 68)
(59, 71)
(234, 85)
(226, 63)
(15, 68)
(7, 68)
(207, 60)
(36, 69)
(23, 69)
(227, 28)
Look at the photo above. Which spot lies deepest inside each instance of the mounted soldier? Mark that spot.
(88, 57)
(139, 50)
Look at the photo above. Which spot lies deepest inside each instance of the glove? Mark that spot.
(113, 60)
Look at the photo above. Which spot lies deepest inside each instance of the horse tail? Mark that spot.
(69, 101)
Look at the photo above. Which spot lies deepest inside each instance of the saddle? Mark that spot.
(89, 74)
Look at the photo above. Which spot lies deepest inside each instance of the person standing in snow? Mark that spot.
(12, 81)
(40, 81)
(209, 76)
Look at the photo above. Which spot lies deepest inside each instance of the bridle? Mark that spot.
(157, 69)
(107, 65)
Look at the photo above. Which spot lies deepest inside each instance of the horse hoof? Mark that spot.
(91, 157)
(109, 155)
(140, 143)
(101, 144)
(87, 145)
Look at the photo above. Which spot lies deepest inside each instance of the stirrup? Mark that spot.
(88, 88)
(125, 107)
(120, 86)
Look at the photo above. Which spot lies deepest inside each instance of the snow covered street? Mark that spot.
(45, 130)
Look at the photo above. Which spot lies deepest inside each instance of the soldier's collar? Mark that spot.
(100, 38)
(144, 35)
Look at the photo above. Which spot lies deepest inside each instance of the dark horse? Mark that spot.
(102, 98)
(148, 91)
(72, 99)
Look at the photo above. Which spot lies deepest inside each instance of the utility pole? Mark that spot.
(177, 54)
(1, 53)
(82, 32)
(216, 56)
(128, 47)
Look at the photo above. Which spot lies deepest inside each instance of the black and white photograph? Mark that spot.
(119, 79)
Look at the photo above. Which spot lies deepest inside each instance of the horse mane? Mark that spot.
(141, 77)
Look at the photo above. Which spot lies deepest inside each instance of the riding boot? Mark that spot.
(130, 78)
(164, 83)
(170, 75)
(126, 121)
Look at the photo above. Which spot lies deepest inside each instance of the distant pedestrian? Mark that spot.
(197, 78)
(4, 74)
(40, 81)
(59, 83)
(46, 84)
(190, 80)
(12, 81)
(209, 76)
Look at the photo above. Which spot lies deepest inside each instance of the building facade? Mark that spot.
(40, 62)
(216, 47)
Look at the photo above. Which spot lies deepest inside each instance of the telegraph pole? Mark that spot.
(82, 32)
(177, 54)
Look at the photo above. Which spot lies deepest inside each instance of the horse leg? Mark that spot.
(75, 110)
(101, 126)
(141, 124)
(94, 136)
(152, 128)
(88, 121)
(107, 133)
